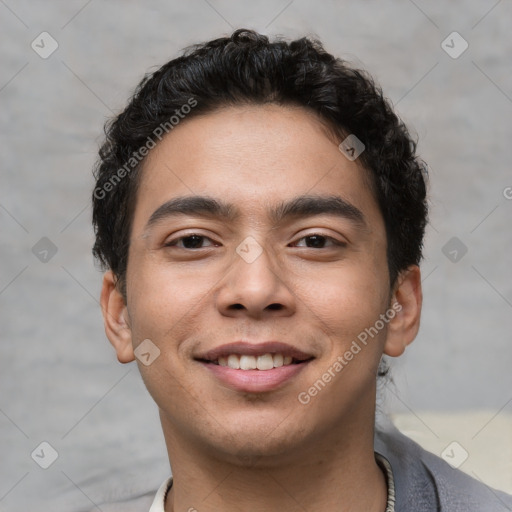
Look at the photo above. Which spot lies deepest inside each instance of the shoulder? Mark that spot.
(427, 483)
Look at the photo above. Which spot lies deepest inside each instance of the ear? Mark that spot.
(406, 301)
(115, 318)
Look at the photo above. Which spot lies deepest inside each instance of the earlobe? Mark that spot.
(115, 318)
(406, 301)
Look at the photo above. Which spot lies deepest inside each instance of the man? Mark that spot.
(260, 211)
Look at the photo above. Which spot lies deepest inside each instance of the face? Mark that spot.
(279, 269)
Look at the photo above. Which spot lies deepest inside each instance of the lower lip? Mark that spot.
(255, 381)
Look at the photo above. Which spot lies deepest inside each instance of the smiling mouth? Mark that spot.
(262, 362)
(255, 367)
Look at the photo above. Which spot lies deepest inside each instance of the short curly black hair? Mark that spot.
(247, 68)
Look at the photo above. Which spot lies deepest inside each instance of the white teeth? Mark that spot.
(234, 362)
(278, 360)
(247, 363)
(264, 362)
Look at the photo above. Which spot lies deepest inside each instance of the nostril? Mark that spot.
(275, 306)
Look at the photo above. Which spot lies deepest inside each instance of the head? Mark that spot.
(228, 209)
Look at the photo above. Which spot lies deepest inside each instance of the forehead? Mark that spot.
(252, 156)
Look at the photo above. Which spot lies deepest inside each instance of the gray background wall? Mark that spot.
(59, 379)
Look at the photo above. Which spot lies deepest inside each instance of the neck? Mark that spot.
(334, 473)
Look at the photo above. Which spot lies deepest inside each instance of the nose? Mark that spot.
(255, 289)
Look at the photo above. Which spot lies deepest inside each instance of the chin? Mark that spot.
(258, 441)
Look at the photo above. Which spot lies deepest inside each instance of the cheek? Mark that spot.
(165, 308)
(346, 299)
(163, 297)
(167, 305)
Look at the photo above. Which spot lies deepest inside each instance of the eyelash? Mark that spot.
(334, 241)
(173, 243)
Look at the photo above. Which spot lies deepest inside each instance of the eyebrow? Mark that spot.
(301, 206)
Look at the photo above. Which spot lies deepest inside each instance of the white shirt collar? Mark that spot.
(159, 501)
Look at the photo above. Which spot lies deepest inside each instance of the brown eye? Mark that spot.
(317, 241)
(189, 242)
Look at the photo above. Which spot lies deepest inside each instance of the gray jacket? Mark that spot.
(426, 483)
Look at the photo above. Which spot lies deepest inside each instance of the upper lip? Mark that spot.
(254, 349)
